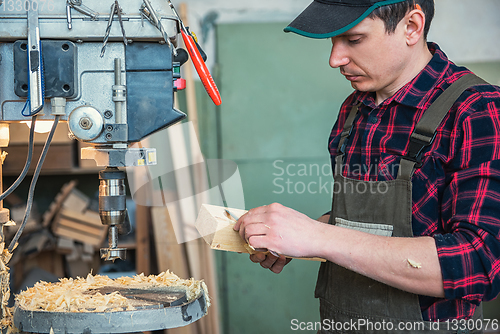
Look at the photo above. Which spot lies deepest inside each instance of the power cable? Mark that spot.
(26, 165)
(31, 193)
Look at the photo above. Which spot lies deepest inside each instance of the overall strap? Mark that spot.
(344, 138)
(425, 130)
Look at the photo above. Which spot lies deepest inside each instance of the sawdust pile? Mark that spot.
(71, 295)
(6, 321)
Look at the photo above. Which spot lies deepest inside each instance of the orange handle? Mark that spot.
(201, 68)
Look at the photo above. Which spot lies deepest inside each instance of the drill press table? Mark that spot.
(156, 308)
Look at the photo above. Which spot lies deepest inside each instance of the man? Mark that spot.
(426, 245)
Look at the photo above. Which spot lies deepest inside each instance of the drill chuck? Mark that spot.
(112, 209)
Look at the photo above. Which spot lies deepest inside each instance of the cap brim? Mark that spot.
(321, 20)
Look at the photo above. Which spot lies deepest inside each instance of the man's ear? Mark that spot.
(415, 23)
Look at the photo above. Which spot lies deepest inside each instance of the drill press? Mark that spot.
(114, 84)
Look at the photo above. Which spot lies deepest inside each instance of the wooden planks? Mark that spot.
(85, 227)
(71, 218)
(170, 254)
(216, 227)
(142, 251)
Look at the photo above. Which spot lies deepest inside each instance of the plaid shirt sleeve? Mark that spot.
(469, 247)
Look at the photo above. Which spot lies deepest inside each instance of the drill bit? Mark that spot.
(149, 13)
(115, 9)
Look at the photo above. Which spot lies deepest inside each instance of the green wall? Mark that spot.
(280, 101)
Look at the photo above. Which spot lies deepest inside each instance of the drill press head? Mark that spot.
(113, 211)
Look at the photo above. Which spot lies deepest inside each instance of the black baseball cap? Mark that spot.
(329, 18)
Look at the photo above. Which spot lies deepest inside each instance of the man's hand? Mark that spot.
(275, 227)
(280, 229)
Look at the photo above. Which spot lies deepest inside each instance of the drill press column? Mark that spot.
(112, 210)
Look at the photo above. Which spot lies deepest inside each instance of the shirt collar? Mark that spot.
(416, 92)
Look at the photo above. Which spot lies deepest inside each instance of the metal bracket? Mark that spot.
(109, 157)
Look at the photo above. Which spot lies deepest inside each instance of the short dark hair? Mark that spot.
(393, 14)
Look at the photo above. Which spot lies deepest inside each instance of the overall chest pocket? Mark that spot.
(377, 229)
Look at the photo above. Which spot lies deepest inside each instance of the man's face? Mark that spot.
(370, 58)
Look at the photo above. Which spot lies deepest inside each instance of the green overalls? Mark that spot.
(348, 299)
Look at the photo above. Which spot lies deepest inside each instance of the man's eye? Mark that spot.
(354, 41)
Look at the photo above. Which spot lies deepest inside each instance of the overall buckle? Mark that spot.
(345, 137)
(417, 146)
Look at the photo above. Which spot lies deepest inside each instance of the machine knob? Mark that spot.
(86, 123)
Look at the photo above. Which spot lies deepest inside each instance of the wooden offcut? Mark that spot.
(85, 227)
(216, 227)
(56, 205)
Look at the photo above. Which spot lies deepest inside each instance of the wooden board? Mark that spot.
(170, 254)
(216, 228)
(84, 227)
(88, 217)
(76, 201)
(143, 227)
(55, 206)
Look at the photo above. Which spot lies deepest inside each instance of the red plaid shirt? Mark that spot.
(456, 192)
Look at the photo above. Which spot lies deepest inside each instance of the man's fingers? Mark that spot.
(252, 216)
(257, 257)
(271, 262)
(280, 263)
(254, 229)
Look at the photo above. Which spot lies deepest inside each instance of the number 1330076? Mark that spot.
(21, 6)
(472, 324)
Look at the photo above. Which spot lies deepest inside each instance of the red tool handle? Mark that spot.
(201, 68)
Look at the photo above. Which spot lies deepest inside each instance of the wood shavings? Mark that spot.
(414, 264)
(69, 295)
(3, 156)
(6, 321)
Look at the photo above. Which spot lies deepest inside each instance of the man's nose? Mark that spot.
(338, 56)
